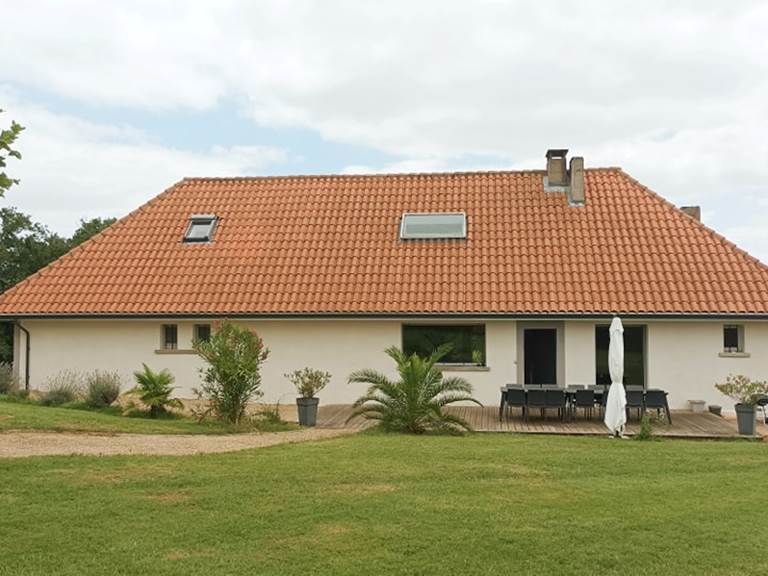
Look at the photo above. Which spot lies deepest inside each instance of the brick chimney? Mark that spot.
(692, 211)
(560, 179)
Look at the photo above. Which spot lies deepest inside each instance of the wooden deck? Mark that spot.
(486, 419)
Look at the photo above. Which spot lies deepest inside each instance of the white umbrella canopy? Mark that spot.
(616, 404)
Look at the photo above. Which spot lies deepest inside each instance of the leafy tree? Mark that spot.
(7, 138)
(25, 248)
(154, 390)
(415, 403)
(89, 228)
(234, 355)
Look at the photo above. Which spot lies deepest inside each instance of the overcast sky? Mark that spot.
(122, 99)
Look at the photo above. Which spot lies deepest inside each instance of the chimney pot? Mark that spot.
(576, 175)
(556, 172)
(692, 211)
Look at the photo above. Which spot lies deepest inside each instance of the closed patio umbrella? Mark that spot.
(616, 404)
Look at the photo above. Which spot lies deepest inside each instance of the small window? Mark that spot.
(467, 340)
(170, 337)
(433, 226)
(200, 228)
(202, 332)
(733, 338)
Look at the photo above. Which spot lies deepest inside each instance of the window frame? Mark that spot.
(484, 351)
(740, 340)
(165, 343)
(441, 236)
(200, 219)
(196, 335)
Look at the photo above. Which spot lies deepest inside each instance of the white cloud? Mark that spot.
(674, 93)
(73, 169)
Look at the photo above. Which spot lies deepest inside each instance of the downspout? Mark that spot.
(26, 355)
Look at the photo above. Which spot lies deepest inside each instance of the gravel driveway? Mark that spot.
(21, 444)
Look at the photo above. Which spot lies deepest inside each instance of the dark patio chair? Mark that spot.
(555, 398)
(584, 399)
(535, 398)
(515, 399)
(502, 402)
(634, 402)
(761, 402)
(657, 400)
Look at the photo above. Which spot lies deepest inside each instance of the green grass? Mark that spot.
(28, 416)
(377, 504)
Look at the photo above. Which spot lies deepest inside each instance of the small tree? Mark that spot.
(234, 355)
(154, 390)
(308, 381)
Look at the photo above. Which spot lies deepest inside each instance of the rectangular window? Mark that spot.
(468, 342)
(433, 226)
(733, 338)
(200, 228)
(634, 355)
(170, 337)
(202, 332)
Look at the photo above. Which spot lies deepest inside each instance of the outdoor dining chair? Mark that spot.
(535, 398)
(634, 402)
(555, 398)
(657, 400)
(515, 399)
(584, 399)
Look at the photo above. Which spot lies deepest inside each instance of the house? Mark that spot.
(521, 271)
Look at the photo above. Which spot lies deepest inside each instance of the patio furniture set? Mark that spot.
(569, 400)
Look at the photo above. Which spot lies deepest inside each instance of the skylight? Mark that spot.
(433, 225)
(200, 228)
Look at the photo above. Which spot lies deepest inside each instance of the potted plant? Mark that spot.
(745, 392)
(308, 382)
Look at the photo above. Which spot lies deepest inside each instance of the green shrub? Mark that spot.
(308, 381)
(415, 402)
(154, 390)
(102, 388)
(62, 388)
(8, 381)
(646, 428)
(234, 355)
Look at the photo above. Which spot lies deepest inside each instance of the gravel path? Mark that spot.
(21, 444)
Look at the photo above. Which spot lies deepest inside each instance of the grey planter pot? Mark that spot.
(307, 411)
(745, 417)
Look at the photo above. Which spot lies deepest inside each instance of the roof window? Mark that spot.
(200, 228)
(433, 226)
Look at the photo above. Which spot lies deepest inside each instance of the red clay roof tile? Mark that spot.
(329, 244)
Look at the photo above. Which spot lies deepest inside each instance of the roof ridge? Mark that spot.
(69, 254)
(697, 223)
(382, 174)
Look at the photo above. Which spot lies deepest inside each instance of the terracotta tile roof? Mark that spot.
(329, 244)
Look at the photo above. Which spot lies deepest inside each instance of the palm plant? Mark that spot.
(154, 390)
(416, 401)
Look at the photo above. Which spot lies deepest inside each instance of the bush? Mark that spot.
(154, 390)
(233, 377)
(62, 388)
(646, 428)
(8, 382)
(743, 390)
(415, 402)
(102, 388)
(309, 382)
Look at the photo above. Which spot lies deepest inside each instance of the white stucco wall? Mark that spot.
(682, 356)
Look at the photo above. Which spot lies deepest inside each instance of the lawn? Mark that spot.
(389, 504)
(26, 416)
